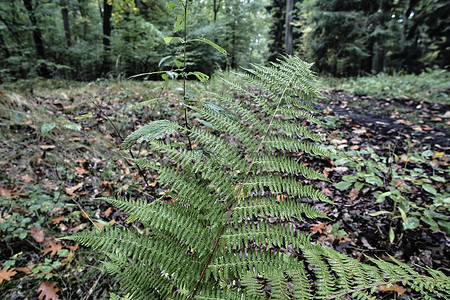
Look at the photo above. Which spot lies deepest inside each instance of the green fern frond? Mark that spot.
(270, 207)
(152, 131)
(230, 227)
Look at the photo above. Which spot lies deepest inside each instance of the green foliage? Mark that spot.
(216, 238)
(392, 181)
(19, 214)
(430, 86)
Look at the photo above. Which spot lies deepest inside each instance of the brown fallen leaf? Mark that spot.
(27, 178)
(73, 248)
(26, 270)
(353, 194)
(319, 228)
(81, 171)
(48, 291)
(71, 190)
(57, 220)
(51, 246)
(107, 212)
(393, 288)
(5, 274)
(37, 233)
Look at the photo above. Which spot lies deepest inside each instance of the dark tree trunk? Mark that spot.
(277, 31)
(65, 17)
(216, 8)
(4, 46)
(107, 13)
(288, 27)
(37, 37)
(233, 46)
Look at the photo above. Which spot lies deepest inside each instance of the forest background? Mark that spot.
(87, 39)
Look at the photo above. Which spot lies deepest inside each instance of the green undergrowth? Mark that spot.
(430, 86)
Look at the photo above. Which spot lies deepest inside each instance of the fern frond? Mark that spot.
(287, 144)
(152, 131)
(230, 229)
(270, 207)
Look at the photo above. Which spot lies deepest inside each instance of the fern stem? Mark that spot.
(240, 194)
(186, 121)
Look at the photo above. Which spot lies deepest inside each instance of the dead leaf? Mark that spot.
(37, 233)
(353, 194)
(73, 248)
(4, 192)
(393, 288)
(5, 274)
(81, 171)
(153, 184)
(107, 212)
(27, 178)
(71, 190)
(56, 220)
(319, 228)
(27, 270)
(48, 291)
(51, 246)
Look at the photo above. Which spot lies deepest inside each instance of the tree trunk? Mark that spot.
(288, 27)
(37, 37)
(65, 17)
(4, 46)
(233, 46)
(107, 13)
(216, 8)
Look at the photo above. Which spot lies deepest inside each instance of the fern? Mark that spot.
(229, 231)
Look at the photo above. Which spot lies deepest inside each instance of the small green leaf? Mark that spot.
(429, 188)
(438, 178)
(412, 223)
(403, 214)
(179, 24)
(200, 76)
(145, 102)
(427, 153)
(445, 226)
(359, 185)
(63, 252)
(73, 126)
(214, 45)
(164, 58)
(381, 212)
(391, 235)
(46, 128)
(343, 185)
(84, 116)
(171, 6)
(375, 180)
(168, 39)
(350, 178)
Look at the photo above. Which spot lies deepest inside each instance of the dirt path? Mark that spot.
(395, 120)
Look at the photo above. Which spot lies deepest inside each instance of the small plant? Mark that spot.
(390, 178)
(20, 214)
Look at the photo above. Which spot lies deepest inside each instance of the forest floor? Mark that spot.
(59, 145)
